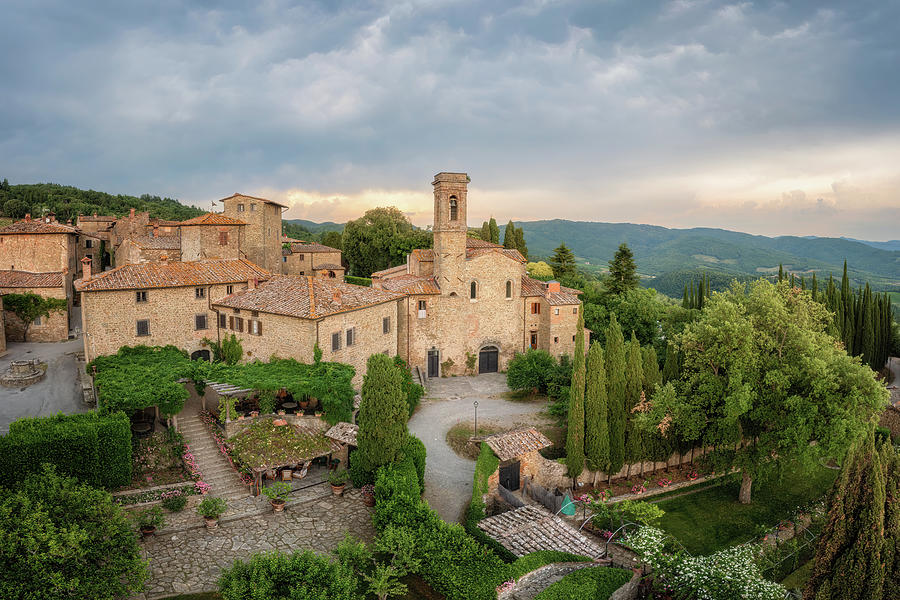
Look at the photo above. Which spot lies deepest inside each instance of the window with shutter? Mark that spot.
(223, 238)
(222, 321)
(386, 325)
(231, 323)
(200, 322)
(259, 328)
(336, 341)
(351, 336)
(143, 327)
(240, 324)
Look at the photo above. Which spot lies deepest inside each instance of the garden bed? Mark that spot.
(158, 460)
(651, 481)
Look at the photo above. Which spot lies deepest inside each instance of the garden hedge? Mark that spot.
(485, 466)
(91, 447)
(597, 583)
(365, 281)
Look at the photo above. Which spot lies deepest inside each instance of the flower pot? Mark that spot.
(281, 413)
(254, 413)
(277, 505)
(286, 475)
(147, 531)
(319, 414)
(368, 500)
(211, 522)
(338, 490)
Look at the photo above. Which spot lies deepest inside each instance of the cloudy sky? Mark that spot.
(771, 118)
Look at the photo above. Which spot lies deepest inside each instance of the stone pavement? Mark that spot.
(190, 561)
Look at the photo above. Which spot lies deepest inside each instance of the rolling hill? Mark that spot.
(668, 258)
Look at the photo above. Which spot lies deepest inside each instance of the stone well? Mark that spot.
(23, 373)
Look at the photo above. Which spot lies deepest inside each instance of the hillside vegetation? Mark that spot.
(672, 257)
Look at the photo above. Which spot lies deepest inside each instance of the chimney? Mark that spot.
(164, 259)
(86, 268)
(95, 215)
(252, 283)
(336, 296)
(156, 230)
(131, 214)
(552, 287)
(27, 217)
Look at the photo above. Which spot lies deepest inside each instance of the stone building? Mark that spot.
(159, 303)
(288, 315)
(51, 328)
(98, 230)
(470, 301)
(309, 258)
(212, 236)
(262, 237)
(144, 248)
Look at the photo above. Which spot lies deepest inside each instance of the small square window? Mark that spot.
(200, 322)
(200, 292)
(240, 208)
(421, 305)
(143, 327)
(575, 311)
(229, 289)
(140, 296)
(556, 340)
(254, 327)
(252, 208)
(573, 338)
(386, 325)
(239, 324)
(284, 259)
(88, 243)
(302, 257)
(555, 311)
(335, 341)
(37, 320)
(223, 238)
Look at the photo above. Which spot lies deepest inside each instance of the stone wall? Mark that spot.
(262, 234)
(54, 328)
(2, 328)
(282, 336)
(109, 318)
(305, 263)
(890, 418)
(200, 242)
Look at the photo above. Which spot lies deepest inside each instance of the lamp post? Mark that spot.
(475, 404)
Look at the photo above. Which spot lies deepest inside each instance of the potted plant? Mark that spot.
(368, 494)
(319, 414)
(254, 414)
(211, 509)
(338, 481)
(149, 520)
(277, 494)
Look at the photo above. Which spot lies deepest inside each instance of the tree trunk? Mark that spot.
(746, 484)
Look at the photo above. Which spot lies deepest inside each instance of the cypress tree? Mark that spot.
(575, 429)
(815, 288)
(596, 424)
(634, 381)
(486, 231)
(652, 376)
(615, 394)
(685, 303)
(802, 282)
(509, 236)
(700, 294)
(780, 272)
(867, 330)
(495, 231)
(382, 413)
(521, 246)
(671, 369)
(691, 297)
(891, 551)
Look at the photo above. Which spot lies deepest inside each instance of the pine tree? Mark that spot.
(575, 428)
(562, 261)
(509, 236)
(634, 381)
(615, 394)
(622, 272)
(596, 424)
(521, 246)
(495, 231)
(382, 413)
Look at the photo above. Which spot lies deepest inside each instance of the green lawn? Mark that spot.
(712, 519)
(798, 579)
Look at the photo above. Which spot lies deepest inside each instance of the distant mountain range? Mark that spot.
(668, 258)
(314, 227)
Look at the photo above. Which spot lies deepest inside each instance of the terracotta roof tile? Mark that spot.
(529, 529)
(173, 274)
(476, 243)
(565, 296)
(96, 218)
(507, 252)
(343, 432)
(27, 279)
(37, 227)
(304, 247)
(211, 218)
(411, 284)
(307, 297)
(424, 254)
(398, 270)
(163, 223)
(329, 266)
(239, 195)
(510, 444)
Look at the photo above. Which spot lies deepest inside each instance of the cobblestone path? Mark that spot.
(190, 561)
(216, 469)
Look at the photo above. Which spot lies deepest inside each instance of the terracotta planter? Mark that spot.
(277, 505)
(254, 413)
(147, 531)
(281, 413)
(338, 490)
(368, 500)
(211, 522)
(286, 475)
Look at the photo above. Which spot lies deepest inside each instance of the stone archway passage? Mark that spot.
(200, 355)
(488, 360)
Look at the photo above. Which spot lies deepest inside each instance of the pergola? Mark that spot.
(229, 391)
(275, 444)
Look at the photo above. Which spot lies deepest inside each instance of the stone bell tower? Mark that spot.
(450, 231)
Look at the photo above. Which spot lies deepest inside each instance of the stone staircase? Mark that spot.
(216, 469)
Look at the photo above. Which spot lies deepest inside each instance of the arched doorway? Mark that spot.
(200, 355)
(488, 359)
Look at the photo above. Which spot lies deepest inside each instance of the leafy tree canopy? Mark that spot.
(29, 306)
(539, 270)
(380, 239)
(760, 368)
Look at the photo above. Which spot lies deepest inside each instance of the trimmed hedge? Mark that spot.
(91, 447)
(536, 560)
(358, 280)
(414, 449)
(282, 576)
(485, 466)
(593, 582)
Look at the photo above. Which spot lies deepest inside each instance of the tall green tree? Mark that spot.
(521, 246)
(652, 376)
(596, 418)
(672, 366)
(495, 231)
(855, 546)
(381, 238)
(509, 236)
(563, 261)
(333, 239)
(622, 271)
(382, 413)
(758, 365)
(634, 381)
(575, 426)
(486, 231)
(615, 394)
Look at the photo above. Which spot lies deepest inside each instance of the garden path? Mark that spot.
(217, 471)
(190, 561)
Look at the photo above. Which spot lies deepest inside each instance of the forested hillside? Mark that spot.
(68, 202)
(670, 258)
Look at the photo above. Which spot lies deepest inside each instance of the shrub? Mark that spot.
(278, 491)
(530, 371)
(281, 576)
(536, 560)
(414, 449)
(150, 517)
(359, 474)
(93, 448)
(175, 502)
(64, 539)
(212, 508)
(594, 582)
(358, 280)
(413, 391)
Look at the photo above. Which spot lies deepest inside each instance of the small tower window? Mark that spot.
(509, 289)
(454, 210)
(473, 290)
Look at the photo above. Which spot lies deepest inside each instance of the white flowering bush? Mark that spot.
(729, 574)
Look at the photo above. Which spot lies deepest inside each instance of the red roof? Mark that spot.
(37, 227)
(173, 274)
(306, 297)
(303, 247)
(211, 218)
(239, 195)
(477, 243)
(411, 284)
(565, 296)
(27, 279)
